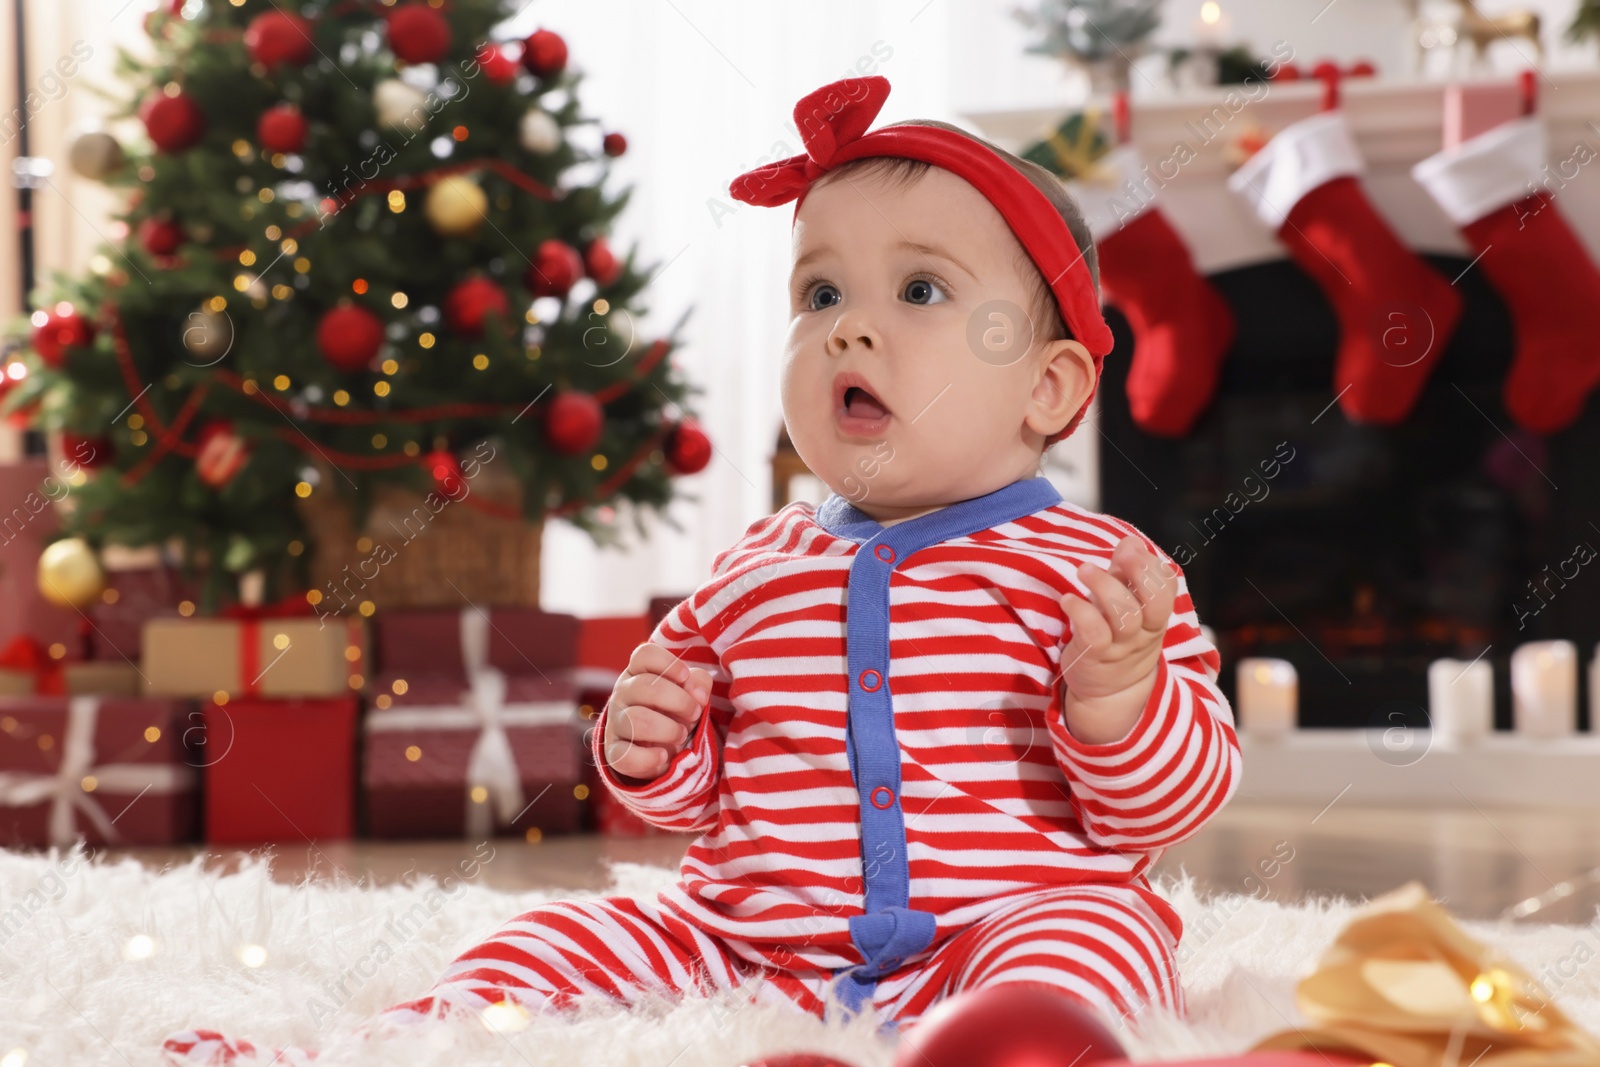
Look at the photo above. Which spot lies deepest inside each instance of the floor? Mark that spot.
(1481, 862)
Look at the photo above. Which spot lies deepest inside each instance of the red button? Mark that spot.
(885, 553)
(870, 680)
(888, 797)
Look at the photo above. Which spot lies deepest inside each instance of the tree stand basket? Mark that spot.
(409, 554)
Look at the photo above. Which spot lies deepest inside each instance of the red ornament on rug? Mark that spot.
(418, 34)
(544, 53)
(1012, 1025)
(1533, 259)
(688, 449)
(278, 38)
(281, 129)
(174, 123)
(600, 263)
(497, 64)
(349, 336)
(572, 423)
(1182, 327)
(160, 237)
(797, 1059)
(556, 268)
(1396, 314)
(614, 144)
(63, 328)
(222, 454)
(468, 304)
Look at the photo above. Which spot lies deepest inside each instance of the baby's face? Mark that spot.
(913, 377)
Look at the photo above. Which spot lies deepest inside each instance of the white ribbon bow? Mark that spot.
(64, 789)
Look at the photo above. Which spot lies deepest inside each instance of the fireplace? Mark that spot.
(1360, 554)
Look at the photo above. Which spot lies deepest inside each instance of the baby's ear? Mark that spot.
(1066, 378)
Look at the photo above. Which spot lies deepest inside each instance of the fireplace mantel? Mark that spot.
(1396, 123)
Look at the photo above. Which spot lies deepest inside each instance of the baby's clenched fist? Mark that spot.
(654, 709)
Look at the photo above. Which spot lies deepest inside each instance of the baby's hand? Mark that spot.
(1110, 664)
(654, 709)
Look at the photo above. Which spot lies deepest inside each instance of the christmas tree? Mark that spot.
(364, 244)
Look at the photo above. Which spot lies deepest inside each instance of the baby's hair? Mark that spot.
(906, 172)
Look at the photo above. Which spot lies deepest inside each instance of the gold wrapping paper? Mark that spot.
(1404, 985)
(291, 657)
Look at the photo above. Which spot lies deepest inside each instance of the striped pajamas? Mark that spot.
(889, 805)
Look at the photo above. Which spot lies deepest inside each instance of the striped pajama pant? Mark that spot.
(1102, 945)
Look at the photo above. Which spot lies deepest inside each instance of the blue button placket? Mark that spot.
(888, 932)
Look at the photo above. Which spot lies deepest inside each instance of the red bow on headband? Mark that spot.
(833, 123)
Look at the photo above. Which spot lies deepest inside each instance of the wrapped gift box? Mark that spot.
(28, 486)
(28, 668)
(262, 656)
(133, 596)
(279, 770)
(114, 770)
(476, 726)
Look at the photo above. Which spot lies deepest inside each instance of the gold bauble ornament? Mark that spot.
(70, 573)
(208, 334)
(95, 154)
(399, 106)
(455, 206)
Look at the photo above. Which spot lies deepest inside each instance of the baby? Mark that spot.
(934, 732)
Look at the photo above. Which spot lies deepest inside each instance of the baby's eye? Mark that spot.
(811, 297)
(925, 291)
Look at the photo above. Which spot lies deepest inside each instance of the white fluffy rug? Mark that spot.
(99, 961)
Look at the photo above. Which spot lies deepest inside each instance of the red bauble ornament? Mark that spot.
(688, 449)
(556, 268)
(418, 34)
(1286, 72)
(88, 452)
(797, 1059)
(572, 424)
(496, 64)
(470, 302)
(160, 237)
(614, 144)
(445, 469)
(281, 129)
(601, 263)
(1008, 1026)
(173, 122)
(276, 38)
(63, 328)
(222, 454)
(349, 336)
(544, 54)
(1362, 68)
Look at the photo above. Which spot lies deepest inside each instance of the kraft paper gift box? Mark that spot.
(114, 770)
(266, 656)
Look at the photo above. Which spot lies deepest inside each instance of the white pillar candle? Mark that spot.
(1461, 699)
(1544, 688)
(1268, 693)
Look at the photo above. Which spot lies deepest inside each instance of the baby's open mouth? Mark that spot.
(860, 404)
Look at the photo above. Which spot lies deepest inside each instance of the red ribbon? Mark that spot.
(25, 653)
(249, 617)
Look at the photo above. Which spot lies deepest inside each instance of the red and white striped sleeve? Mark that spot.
(1180, 761)
(685, 796)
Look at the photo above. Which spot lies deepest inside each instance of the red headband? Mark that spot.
(833, 121)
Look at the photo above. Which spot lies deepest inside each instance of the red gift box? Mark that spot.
(280, 770)
(113, 770)
(132, 597)
(27, 487)
(432, 652)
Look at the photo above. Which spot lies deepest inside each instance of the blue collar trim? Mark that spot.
(1022, 497)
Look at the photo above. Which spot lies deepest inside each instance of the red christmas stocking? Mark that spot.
(1181, 325)
(1396, 315)
(1534, 261)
